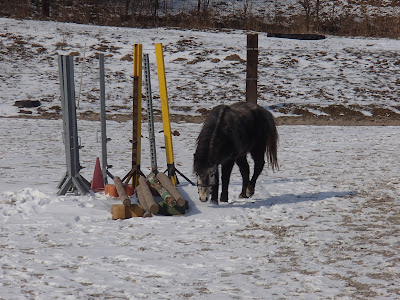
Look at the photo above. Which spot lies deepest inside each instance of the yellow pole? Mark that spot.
(169, 151)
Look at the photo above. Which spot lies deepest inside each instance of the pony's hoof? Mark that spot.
(224, 197)
(249, 192)
(214, 201)
(242, 195)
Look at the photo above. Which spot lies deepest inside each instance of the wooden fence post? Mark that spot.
(251, 73)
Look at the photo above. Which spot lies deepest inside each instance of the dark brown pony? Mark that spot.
(228, 134)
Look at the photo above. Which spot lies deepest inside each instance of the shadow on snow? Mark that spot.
(290, 198)
(255, 203)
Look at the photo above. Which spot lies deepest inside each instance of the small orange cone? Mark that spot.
(97, 181)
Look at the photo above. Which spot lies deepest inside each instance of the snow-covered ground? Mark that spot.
(359, 72)
(326, 226)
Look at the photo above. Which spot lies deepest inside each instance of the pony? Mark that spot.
(228, 134)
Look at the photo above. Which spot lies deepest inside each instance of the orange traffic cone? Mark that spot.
(97, 181)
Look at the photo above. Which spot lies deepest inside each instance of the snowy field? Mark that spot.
(326, 226)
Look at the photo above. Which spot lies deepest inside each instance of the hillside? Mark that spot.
(338, 80)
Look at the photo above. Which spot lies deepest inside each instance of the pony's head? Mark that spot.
(205, 158)
(206, 181)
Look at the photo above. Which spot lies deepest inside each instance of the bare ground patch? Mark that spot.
(289, 114)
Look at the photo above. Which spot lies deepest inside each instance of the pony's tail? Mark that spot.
(214, 135)
(272, 143)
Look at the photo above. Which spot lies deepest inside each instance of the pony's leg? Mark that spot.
(259, 162)
(226, 174)
(244, 171)
(214, 190)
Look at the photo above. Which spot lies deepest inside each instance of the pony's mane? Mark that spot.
(207, 138)
(215, 133)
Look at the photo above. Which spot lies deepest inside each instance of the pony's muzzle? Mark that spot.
(204, 193)
(203, 199)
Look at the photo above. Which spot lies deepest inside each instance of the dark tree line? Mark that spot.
(356, 17)
(83, 11)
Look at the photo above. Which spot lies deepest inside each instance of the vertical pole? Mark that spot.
(104, 140)
(137, 111)
(150, 118)
(69, 97)
(139, 55)
(251, 74)
(165, 113)
(72, 181)
(66, 122)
